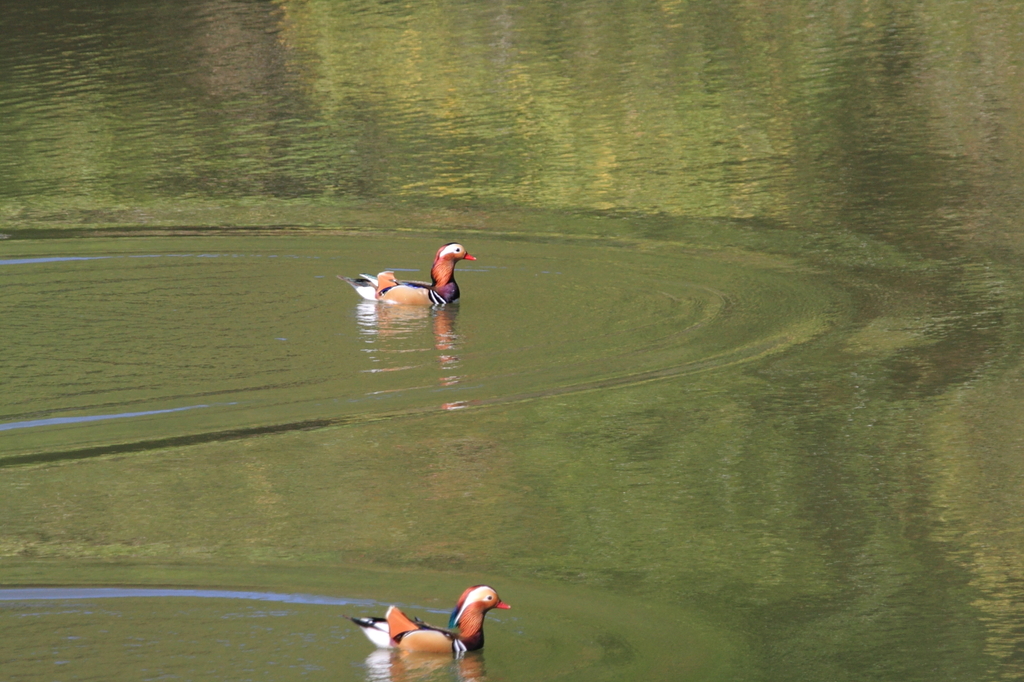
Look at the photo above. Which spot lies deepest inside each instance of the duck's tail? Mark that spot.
(375, 629)
(365, 286)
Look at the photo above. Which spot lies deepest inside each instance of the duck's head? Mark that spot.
(453, 252)
(480, 599)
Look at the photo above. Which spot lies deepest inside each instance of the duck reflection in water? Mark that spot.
(396, 332)
(391, 665)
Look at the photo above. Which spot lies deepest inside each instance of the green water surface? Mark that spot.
(733, 391)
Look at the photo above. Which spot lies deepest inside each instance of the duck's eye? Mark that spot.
(457, 250)
(489, 598)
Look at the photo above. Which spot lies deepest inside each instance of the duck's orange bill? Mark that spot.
(502, 605)
(468, 257)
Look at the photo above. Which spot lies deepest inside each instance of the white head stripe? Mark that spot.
(474, 596)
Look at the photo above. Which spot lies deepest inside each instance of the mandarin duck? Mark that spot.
(396, 630)
(442, 290)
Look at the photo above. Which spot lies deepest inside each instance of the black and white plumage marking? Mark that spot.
(375, 629)
(365, 286)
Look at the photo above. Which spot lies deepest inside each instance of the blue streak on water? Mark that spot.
(66, 593)
(62, 593)
(49, 259)
(64, 259)
(53, 421)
